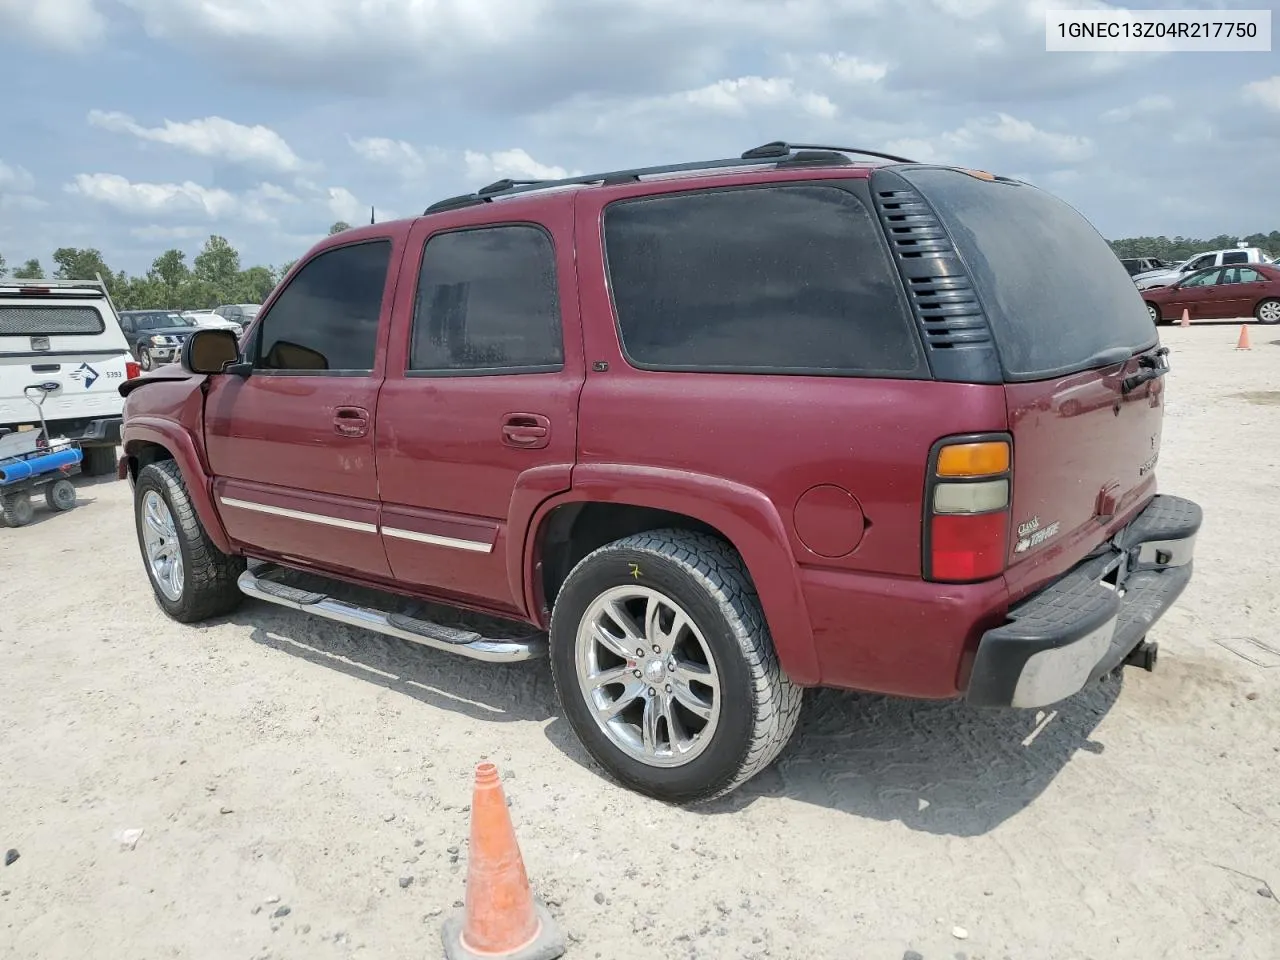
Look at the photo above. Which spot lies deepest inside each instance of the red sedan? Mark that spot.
(1220, 293)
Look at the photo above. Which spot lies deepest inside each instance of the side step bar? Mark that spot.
(257, 582)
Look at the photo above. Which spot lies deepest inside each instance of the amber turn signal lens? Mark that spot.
(973, 459)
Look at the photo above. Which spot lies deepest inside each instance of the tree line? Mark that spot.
(1178, 249)
(215, 275)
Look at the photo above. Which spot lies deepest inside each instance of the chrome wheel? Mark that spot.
(164, 552)
(647, 675)
(1269, 311)
(1153, 313)
(144, 359)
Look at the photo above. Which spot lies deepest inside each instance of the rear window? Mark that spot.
(787, 279)
(48, 321)
(1055, 294)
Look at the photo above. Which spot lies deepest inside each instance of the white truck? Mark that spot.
(66, 332)
(1201, 261)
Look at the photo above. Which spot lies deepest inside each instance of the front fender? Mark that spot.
(744, 515)
(140, 431)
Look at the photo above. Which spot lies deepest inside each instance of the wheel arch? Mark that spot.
(608, 502)
(148, 440)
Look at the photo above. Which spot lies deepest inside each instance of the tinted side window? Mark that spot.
(1239, 257)
(327, 318)
(487, 300)
(786, 279)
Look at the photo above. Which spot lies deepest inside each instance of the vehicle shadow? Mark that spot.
(481, 691)
(936, 767)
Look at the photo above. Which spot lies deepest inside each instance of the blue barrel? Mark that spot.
(14, 470)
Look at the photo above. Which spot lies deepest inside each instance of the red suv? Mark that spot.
(708, 434)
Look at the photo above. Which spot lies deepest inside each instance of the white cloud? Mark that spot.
(344, 205)
(405, 159)
(15, 179)
(213, 137)
(839, 67)
(70, 25)
(150, 199)
(737, 97)
(514, 163)
(1265, 92)
(1143, 107)
(16, 184)
(982, 138)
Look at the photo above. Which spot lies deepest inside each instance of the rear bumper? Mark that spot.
(1084, 625)
(102, 432)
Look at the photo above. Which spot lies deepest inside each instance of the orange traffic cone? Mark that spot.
(501, 919)
(1186, 318)
(1243, 342)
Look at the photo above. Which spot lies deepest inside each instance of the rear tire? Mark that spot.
(1154, 313)
(169, 533)
(60, 495)
(1268, 312)
(697, 648)
(98, 461)
(17, 509)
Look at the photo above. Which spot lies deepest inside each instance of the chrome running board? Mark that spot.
(259, 582)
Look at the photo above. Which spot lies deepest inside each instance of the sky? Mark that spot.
(134, 126)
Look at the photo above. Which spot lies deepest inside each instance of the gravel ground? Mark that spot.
(272, 760)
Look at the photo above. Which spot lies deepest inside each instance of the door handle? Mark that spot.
(528, 431)
(351, 421)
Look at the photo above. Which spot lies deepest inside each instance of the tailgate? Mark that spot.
(1084, 453)
(73, 343)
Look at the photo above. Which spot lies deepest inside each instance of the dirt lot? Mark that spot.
(276, 756)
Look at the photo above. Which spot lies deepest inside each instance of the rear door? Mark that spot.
(1084, 446)
(479, 414)
(66, 336)
(291, 445)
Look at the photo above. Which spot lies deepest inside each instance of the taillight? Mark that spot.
(131, 370)
(967, 501)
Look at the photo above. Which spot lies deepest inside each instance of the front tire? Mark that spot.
(192, 579)
(665, 667)
(1268, 312)
(144, 359)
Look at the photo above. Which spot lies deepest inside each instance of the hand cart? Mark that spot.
(31, 459)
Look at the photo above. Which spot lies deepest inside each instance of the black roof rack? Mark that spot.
(782, 149)
(778, 153)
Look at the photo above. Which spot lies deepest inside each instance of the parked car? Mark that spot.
(708, 434)
(208, 320)
(1220, 293)
(155, 336)
(240, 313)
(1214, 258)
(1137, 265)
(64, 332)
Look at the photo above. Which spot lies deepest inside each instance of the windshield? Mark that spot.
(250, 310)
(1047, 321)
(153, 321)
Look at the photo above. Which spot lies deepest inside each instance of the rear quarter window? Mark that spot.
(791, 279)
(51, 320)
(1052, 288)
